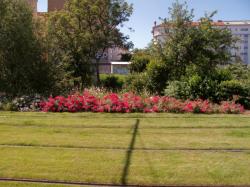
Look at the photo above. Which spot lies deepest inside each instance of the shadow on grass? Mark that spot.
(129, 154)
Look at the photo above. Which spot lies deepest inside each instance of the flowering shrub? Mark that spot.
(231, 108)
(129, 102)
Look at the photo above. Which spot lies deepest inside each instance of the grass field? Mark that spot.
(145, 149)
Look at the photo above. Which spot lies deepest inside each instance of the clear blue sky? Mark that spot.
(148, 11)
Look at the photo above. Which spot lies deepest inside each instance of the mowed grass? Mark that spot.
(23, 184)
(150, 149)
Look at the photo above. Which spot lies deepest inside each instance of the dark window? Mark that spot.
(244, 41)
(244, 29)
(243, 53)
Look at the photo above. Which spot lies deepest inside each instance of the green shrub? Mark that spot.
(112, 82)
(203, 88)
(140, 60)
(244, 101)
(139, 65)
(197, 88)
(177, 89)
(137, 83)
(158, 74)
(22, 104)
(9, 106)
(227, 89)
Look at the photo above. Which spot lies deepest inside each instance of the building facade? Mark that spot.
(54, 5)
(239, 29)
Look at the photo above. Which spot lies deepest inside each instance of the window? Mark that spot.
(245, 47)
(244, 41)
(243, 53)
(244, 29)
(245, 35)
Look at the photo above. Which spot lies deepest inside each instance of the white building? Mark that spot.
(239, 29)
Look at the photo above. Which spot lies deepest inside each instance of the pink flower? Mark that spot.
(130, 102)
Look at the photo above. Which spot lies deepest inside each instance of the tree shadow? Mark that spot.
(129, 154)
(150, 164)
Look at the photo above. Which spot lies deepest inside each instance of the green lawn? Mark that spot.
(150, 149)
(15, 184)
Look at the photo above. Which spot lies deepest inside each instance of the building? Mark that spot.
(55, 5)
(111, 61)
(239, 29)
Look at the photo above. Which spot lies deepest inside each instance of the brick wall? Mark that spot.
(55, 5)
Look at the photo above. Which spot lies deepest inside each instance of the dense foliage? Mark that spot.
(112, 82)
(60, 54)
(82, 32)
(193, 62)
(23, 69)
(140, 60)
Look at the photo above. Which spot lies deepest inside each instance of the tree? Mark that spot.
(239, 70)
(83, 31)
(211, 46)
(22, 65)
(199, 46)
(140, 59)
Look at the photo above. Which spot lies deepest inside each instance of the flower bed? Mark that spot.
(128, 103)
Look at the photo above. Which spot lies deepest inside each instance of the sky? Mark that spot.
(146, 12)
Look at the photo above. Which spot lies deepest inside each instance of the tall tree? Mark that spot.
(84, 30)
(22, 66)
(200, 46)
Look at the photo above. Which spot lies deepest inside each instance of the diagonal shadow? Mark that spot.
(150, 164)
(129, 154)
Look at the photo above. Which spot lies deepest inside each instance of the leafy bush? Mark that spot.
(227, 89)
(158, 74)
(216, 88)
(203, 88)
(136, 83)
(245, 102)
(139, 65)
(9, 106)
(112, 82)
(22, 104)
(193, 88)
(178, 89)
(140, 60)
